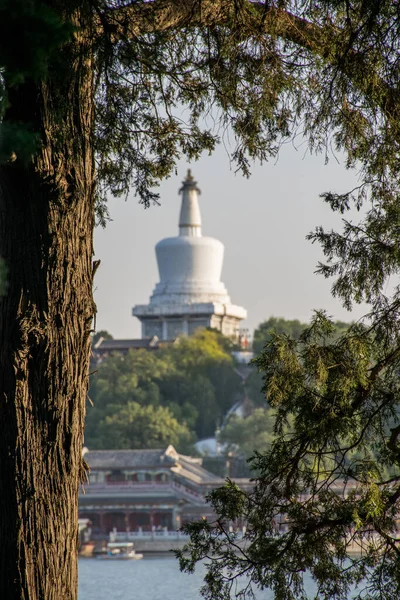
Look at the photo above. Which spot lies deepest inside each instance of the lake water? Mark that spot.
(148, 579)
(153, 578)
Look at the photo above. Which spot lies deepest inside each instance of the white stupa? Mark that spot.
(190, 293)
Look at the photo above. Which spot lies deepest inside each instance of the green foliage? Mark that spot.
(17, 139)
(25, 50)
(263, 332)
(135, 426)
(253, 388)
(254, 433)
(260, 87)
(203, 377)
(203, 349)
(290, 327)
(101, 334)
(325, 472)
(119, 380)
(31, 33)
(194, 379)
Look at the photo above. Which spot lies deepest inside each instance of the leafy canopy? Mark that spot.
(135, 426)
(174, 78)
(25, 54)
(244, 436)
(330, 476)
(291, 327)
(194, 379)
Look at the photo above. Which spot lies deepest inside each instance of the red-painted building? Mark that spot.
(144, 490)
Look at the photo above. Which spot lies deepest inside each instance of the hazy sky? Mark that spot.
(262, 221)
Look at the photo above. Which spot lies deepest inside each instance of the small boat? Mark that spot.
(120, 551)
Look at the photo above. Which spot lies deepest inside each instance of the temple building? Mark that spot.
(190, 293)
(144, 489)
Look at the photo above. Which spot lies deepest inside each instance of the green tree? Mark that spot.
(89, 91)
(326, 471)
(181, 390)
(254, 433)
(134, 426)
(203, 377)
(118, 380)
(101, 334)
(131, 376)
(262, 334)
(194, 378)
(290, 327)
(202, 349)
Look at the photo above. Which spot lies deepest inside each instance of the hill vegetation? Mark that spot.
(184, 392)
(178, 393)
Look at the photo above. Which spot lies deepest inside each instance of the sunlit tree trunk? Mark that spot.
(46, 227)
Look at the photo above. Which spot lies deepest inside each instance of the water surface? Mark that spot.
(153, 578)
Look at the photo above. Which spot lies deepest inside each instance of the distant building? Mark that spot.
(104, 348)
(131, 490)
(190, 293)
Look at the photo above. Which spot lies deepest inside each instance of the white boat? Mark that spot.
(120, 551)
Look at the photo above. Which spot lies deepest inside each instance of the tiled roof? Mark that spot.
(185, 466)
(124, 459)
(195, 472)
(121, 345)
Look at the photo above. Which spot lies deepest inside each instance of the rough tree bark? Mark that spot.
(46, 227)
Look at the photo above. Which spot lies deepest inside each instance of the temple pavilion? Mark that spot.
(143, 490)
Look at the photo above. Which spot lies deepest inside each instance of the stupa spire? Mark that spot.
(190, 218)
(190, 293)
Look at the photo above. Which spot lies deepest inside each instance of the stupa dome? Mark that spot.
(190, 293)
(189, 265)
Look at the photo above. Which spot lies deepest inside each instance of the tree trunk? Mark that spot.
(46, 228)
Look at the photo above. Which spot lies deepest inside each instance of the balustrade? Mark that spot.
(113, 487)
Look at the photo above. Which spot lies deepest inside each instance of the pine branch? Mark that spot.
(325, 41)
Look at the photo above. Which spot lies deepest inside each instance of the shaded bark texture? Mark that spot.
(46, 228)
